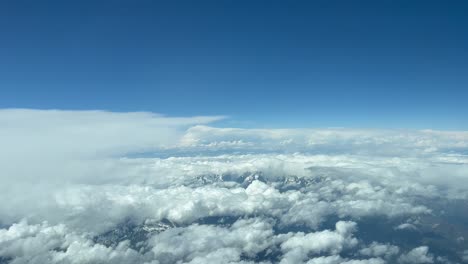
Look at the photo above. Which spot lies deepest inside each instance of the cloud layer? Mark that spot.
(103, 187)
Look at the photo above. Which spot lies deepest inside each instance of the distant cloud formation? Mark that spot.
(105, 187)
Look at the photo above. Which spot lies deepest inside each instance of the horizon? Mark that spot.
(387, 64)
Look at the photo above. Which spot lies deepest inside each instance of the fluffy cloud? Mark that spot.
(45, 150)
(197, 242)
(300, 245)
(418, 255)
(42, 243)
(380, 250)
(104, 187)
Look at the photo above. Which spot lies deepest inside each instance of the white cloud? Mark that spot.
(45, 150)
(335, 259)
(418, 255)
(380, 250)
(42, 243)
(211, 243)
(370, 141)
(407, 226)
(300, 245)
(74, 175)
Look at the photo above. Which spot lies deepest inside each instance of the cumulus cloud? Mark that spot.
(106, 187)
(197, 242)
(375, 249)
(418, 255)
(42, 243)
(300, 245)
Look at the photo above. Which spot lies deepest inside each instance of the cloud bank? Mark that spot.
(105, 187)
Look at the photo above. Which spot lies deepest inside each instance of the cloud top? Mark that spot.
(97, 186)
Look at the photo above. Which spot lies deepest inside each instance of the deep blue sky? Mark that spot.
(265, 63)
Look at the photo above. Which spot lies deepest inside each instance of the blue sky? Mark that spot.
(397, 64)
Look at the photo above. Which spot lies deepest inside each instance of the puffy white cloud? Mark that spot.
(42, 243)
(300, 245)
(197, 243)
(418, 255)
(99, 207)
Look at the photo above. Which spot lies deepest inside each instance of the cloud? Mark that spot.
(357, 141)
(42, 243)
(197, 242)
(465, 256)
(96, 186)
(45, 150)
(300, 245)
(375, 249)
(417, 256)
(407, 226)
(89, 134)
